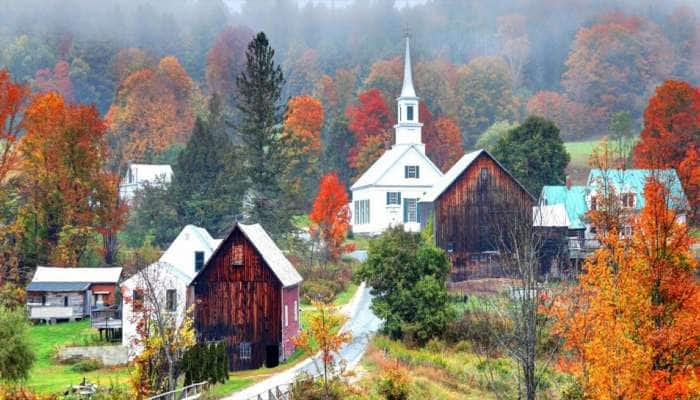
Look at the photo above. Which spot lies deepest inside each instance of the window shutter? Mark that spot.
(399, 193)
(417, 171)
(387, 197)
(405, 212)
(405, 171)
(417, 211)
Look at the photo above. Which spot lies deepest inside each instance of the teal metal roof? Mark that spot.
(633, 180)
(573, 199)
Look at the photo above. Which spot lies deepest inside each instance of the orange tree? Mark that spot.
(370, 122)
(331, 217)
(630, 326)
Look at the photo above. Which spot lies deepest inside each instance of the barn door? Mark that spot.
(272, 355)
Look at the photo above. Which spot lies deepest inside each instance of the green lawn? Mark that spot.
(48, 376)
(581, 151)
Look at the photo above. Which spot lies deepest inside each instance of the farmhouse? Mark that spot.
(247, 294)
(387, 194)
(468, 206)
(137, 176)
(70, 293)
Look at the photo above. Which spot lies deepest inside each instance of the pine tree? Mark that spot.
(259, 130)
(203, 186)
(223, 362)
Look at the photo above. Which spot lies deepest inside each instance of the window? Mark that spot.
(244, 351)
(286, 315)
(393, 198)
(484, 175)
(171, 300)
(237, 256)
(411, 171)
(137, 300)
(628, 200)
(594, 203)
(409, 113)
(43, 300)
(65, 301)
(198, 260)
(296, 311)
(627, 231)
(450, 247)
(410, 210)
(362, 212)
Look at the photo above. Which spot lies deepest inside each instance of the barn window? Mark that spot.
(198, 260)
(137, 299)
(450, 247)
(628, 200)
(237, 256)
(244, 351)
(411, 171)
(393, 198)
(361, 212)
(484, 175)
(410, 210)
(171, 300)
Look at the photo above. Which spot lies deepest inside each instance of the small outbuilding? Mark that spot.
(70, 293)
(247, 295)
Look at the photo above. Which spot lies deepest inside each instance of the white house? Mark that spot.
(387, 194)
(169, 276)
(139, 175)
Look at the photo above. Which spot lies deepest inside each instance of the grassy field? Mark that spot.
(580, 152)
(48, 376)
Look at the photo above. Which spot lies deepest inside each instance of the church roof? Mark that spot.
(407, 89)
(385, 162)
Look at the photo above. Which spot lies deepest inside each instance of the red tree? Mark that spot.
(13, 99)
(370, 122)
(226, 60)
(331, 217)
(57, 80)
(443, 142)
(671, 135)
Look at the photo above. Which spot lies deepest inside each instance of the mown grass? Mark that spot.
(48, 376)
(581, 151)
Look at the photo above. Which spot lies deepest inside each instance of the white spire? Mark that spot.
(407, 89)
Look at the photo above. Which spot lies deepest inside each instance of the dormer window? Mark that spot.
(628, 200)
(411, 172)
(409, 113)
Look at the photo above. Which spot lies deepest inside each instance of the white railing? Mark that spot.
(191, 392)
(49, 312)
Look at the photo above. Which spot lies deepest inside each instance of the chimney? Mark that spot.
(568, 182)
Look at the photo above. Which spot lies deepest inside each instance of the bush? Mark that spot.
(19, 393)
(480, 328)
(16, 355)
(305, 388)
(319, 290)
(86, 365)
(394, 384)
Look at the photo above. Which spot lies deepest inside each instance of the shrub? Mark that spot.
(394, 384)
(20, 393)
(86, 365)
(318, 290)
(305, 388)
(16, 355)
(478, 327)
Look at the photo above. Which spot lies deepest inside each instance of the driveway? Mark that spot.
(362, 324)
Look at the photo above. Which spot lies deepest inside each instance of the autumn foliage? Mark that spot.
(13, 99)
(671, 135)
(56, 80)
(630, 326)
(443, 142)
(226, 60)
(370, 122)
(331, 217)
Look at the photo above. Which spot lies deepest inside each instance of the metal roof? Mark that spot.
(92, 275)
(58, 286)
(573, 199)
(633, 180)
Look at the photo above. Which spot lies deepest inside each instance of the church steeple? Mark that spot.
(408, 128)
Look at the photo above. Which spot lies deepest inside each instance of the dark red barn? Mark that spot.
(247, 294)
(471, 205)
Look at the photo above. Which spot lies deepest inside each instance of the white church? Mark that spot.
(387, 194)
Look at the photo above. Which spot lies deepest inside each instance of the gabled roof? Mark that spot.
(633, 180)
(457, 170)
(89, 275)
(180, 253)
(58, 286)
(164, 265)
(273, 256)
(380, 167)
(550, 216)
(573, 199)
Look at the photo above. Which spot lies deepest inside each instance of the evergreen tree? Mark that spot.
(259, 131)
(223, 362)
(336, 145)
(204, 182)
(534, 153)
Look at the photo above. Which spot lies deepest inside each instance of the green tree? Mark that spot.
(204, 177)
(259, 130)
(534, 153)
(620, 128)
(489, 139)
(407, 275)
(152, 213)
(16, 355)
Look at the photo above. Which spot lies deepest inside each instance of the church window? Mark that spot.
(412, 171)
(361, 212)
(410, 210)
(393, 198)
(409, 113)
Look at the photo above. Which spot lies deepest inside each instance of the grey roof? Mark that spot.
(93, 275)
(58, 286)
(273, 256)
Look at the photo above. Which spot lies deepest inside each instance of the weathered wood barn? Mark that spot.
(70, 293)
(471, 207)
(247, 294)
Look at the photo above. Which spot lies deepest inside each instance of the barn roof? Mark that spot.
(58, 286)
(90, 275)
(273, 256)
(455, 172)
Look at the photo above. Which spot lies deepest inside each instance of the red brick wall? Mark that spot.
(104, 287)
(290, 298)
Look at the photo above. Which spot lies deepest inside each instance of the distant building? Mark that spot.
(247, 295)
(139, 175)
(628, 187)
(173, 273)
(387, 194)
(69, 294)
(474, 199)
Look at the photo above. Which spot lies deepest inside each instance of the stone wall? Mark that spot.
(107, 355)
